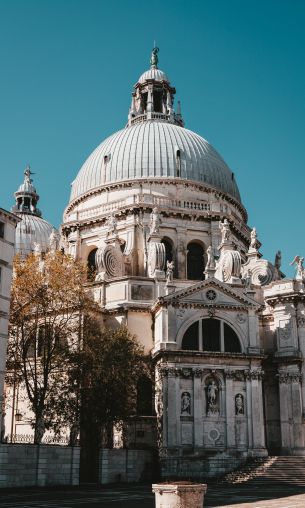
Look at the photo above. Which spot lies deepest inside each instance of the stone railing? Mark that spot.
(148, 199)
(29, 438)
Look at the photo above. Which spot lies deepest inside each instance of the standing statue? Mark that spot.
(155, 221)
(169, 271)
(185, 403)
(211, 259)
(278, 260)
(225, 230)
(212, 398)
(53, 241)
(239, 404)
(298, 261)
(254, 241)
(248, 279)
(154, 58)
(111, 224)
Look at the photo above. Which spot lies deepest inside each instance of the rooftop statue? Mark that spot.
(225, 230)
(154, 58)
(278, 260)
(300, 271)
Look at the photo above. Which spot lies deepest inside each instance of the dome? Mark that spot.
(27, 187)
(151, 150)
(153, 73)
(30, 230)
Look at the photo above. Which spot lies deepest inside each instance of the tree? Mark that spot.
(48, 305)
(102, 387)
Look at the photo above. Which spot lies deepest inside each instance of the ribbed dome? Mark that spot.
(156, 74)
(150, 149)
(30, 230)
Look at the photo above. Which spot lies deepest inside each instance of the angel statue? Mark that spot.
(300, 271)
(155, 221)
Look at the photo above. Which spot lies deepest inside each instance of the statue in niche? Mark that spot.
(185, 403)
(225, 230)
(239, 404)
(155, 221)
(298, 261)
(212, 396)
(170, 271)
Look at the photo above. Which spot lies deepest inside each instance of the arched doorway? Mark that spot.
(91, 265)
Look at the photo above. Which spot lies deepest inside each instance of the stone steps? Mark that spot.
(269, 472)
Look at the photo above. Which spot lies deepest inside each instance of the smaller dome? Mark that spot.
(32, 230)
(153, 73)
(27, 186)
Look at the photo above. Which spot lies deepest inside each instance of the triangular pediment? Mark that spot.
(209, 292)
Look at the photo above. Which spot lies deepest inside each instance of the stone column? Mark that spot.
(253, 332)
(298, 432)
(230, 419)
(258, 425)
(249, 411)
(198, 408)
(285, 411)
(172, 412)
(301, 337)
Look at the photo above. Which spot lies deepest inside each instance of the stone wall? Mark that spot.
(123, 465)
(28, 465)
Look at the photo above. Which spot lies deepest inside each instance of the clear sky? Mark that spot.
(67, 70)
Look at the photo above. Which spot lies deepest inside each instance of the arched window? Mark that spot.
(195, 261)
(91, 264)
(211, 335)
(190, 339)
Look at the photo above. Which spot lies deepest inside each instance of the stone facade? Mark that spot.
(156, 214)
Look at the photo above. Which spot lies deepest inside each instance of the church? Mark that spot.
(156, 214)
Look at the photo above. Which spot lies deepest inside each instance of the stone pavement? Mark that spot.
(140, 496)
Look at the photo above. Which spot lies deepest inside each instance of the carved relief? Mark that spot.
(109, 259)
(241, 318)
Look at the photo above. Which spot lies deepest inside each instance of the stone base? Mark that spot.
(179, 494)
(201, 467)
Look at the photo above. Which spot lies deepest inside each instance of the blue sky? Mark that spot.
(68, 66)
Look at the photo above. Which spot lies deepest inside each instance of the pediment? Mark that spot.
(211, 292)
